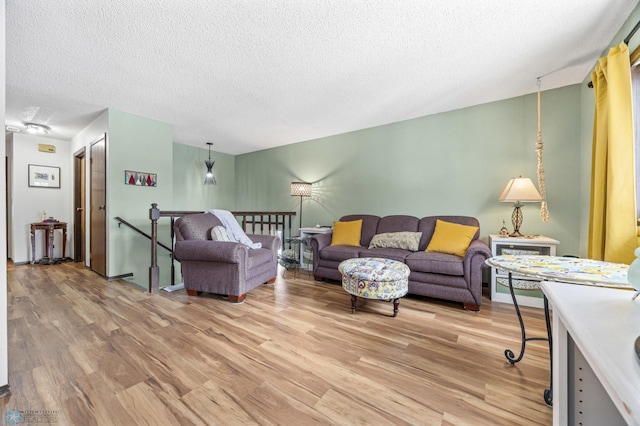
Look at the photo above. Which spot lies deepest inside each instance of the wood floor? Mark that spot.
(85, 351)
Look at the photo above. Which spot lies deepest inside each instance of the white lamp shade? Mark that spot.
(520, 189)
(302, 189)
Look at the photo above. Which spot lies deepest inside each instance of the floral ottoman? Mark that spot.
(375, 278)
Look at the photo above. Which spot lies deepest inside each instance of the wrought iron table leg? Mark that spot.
(511, 357)
(548, 393)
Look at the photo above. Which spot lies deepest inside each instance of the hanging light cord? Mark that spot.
(544, 211)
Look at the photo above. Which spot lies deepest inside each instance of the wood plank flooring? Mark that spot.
(93, 352)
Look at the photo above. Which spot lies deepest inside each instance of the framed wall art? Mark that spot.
(140, 178)
(44, 176)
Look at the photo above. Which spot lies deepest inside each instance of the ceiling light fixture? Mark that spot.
(37, 128)
(209, 179)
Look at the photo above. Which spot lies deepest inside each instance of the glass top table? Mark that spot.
(559, 269)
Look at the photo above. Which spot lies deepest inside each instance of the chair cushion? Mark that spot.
(195, 226)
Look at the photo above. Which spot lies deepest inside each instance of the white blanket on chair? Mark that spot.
(235, 231)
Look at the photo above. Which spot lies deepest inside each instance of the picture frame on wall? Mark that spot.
(44, 176)
(140, 178)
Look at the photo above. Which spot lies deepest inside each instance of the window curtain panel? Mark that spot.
(612, 218)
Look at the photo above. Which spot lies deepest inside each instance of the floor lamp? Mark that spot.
(300, 189)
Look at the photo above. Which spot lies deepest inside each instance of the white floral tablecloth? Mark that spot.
(565, 269)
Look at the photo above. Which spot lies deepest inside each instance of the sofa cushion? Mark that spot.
(369, 226)
(400, 240)
(340, 253)
(451, 238)
(346, 233)
(386, 253)
(397, 223)
(436, 263)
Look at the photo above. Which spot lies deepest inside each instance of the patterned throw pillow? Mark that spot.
(219, 233)
(398, 240)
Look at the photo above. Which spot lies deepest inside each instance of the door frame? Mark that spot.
(104, 207)
(79, 205)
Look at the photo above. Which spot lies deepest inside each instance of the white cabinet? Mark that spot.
(527, 290)
(306, 255)
(596, 375)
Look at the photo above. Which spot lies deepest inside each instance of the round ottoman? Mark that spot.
(375, 278)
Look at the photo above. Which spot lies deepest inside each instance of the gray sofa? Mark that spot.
(222, 267)
(433, 274)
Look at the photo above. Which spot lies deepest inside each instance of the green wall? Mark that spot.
(143, 145)
(188, 179)
(456, 162)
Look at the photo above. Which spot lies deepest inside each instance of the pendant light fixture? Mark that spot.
(209, 179)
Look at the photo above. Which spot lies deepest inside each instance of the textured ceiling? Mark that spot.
(255, 74)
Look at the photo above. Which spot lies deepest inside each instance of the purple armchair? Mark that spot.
(222, 267)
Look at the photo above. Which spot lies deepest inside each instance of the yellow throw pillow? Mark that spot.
(451, 238)
(346, 233)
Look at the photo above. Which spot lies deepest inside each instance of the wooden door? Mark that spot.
(98, 212)
(79, 221)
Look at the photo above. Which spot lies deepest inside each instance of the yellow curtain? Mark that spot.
(612, 218)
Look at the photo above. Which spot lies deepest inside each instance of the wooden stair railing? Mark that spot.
(250, 222)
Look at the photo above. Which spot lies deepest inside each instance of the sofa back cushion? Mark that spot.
(369, 225)
(397, 223)
(428, 224)
(195, 226)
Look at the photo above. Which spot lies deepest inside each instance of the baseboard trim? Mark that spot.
(119, 277)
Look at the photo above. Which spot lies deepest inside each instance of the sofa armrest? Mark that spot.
(474, 258)
(270, 242)
(319, 241)
(210, 251)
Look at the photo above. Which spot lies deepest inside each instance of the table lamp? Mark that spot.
(519, 190)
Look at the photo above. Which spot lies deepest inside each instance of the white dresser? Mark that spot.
(596, 376)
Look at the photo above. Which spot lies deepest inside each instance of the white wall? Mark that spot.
(29, 203)
(4, 349)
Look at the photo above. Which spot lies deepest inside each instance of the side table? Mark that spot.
(306, 255)
(527, 290)
(48, 228)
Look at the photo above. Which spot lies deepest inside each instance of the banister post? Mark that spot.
(154, 271)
